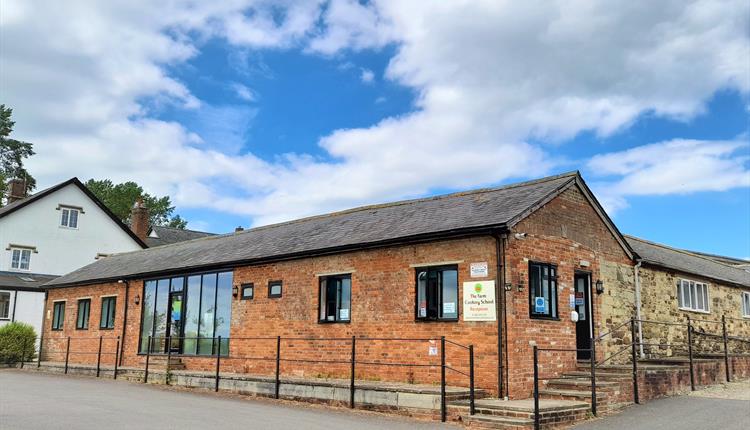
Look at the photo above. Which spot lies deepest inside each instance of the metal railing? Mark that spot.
(279, 349)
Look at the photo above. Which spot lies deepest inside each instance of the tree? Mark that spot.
(120, 198)
(12, 154)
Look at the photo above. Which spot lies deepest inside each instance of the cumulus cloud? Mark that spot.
(367, 76)
(86, 79)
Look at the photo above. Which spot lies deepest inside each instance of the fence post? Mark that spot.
(472, 408)
(690, 353)
(99, 357)
(593, 376)
(278, 362)
(169, 358)
(67, 354)
(117, 357)
(442, 380)
(351, 381)
(536, 388)
(633, 357)
(23, 351)
(218, 364)
(726, 349)
(148, 358)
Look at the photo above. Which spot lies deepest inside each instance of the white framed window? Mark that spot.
(4, 306)
(692, 296)
(69, 217)
(746, 304)
(20, 258)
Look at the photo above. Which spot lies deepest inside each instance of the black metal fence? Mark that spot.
(222, 355)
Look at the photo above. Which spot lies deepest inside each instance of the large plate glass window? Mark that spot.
(20, 258)
(692, 295)
(58, 315)
(84, 310)
(542, 290)
(335, 298)
(437, 293)
(107, 318)
(4, 306)
(192, 311)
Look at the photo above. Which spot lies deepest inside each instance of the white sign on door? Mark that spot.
(479, 301)
(479, 270)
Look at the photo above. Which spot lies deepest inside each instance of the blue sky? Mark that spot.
(257, 112)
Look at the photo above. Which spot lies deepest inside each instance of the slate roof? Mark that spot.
(18, 204)
(732, 261)
(169, 235)
(378, 225)
(23, 281)
(687, 262)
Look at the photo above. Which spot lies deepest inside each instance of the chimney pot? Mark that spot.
(16, 190)
(139, 219)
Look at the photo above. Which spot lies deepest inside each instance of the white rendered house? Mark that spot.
(49, 234)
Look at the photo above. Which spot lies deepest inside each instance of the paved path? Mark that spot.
(44, 401)
(722, 407)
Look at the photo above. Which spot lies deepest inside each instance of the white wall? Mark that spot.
(28, 307)
(61, 250)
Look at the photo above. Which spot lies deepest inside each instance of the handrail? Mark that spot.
(601, 336)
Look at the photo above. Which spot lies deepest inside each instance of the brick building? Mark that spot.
(501, 269)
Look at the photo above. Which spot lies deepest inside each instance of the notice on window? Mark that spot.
(539, 305)
(572, 301)
(579, 298)
(344, 314)
(479, 301)
(449, 308)
(478, 270)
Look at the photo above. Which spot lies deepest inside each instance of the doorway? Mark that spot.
(174, 328)
(584, 328)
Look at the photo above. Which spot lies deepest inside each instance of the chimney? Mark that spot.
(139, 219)
(238, 229)
(16, 190)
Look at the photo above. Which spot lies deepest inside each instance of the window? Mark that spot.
(20, 258)
(437, 293)
(542, 290)
(247, 292)
(107, 319)
(58, 315)
(4, 306)
(69, 217)
(205, 302)
(84, 309)
(745, 304)
(692, 295)
(274, 289)
(335, 298)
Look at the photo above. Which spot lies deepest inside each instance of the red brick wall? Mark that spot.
(563, 232)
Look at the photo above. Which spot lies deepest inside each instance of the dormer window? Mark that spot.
(69, 217)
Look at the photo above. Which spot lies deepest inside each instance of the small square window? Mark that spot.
(69, 217)
(247, 291)
(746, 304)
(20, 258)
(542, 290)
(274, 289)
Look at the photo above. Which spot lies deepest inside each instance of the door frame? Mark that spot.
(589, 295)
(169, 333)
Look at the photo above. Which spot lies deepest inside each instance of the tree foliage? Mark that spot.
(120, 198)
(12, 154)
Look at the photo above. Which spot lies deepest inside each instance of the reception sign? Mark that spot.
(479, 301)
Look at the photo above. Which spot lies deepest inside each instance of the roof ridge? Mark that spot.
(681, 251)
(183, 229)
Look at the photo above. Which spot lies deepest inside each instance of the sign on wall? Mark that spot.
(479, 301)
(478, 270)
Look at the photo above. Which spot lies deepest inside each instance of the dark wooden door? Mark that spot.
(583, 307)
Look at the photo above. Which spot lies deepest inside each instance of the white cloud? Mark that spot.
(673, 167)
(85, 77)
(367, 76)
(244, 92)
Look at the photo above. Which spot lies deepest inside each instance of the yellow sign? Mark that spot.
(479, 301)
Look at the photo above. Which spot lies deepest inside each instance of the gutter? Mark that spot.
(637, 272)
(15, 305)
(124, 320)
(502, 323)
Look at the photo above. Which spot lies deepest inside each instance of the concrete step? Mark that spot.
(583, 395)
(607, 375)
(582, 383)
(497, 422)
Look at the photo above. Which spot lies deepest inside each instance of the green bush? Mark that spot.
(16, 343)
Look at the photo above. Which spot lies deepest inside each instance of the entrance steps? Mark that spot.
(162, 362)
(519, 414)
